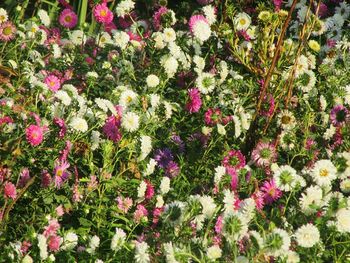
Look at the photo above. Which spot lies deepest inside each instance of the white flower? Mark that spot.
(286, 120)
(63, 97)
(169, 253)
(237, 123)
(324, 172)
(323, 103)
(155, 100)
(127, 98)
(221, 129)
(284, 177)
(242, 21)
(208, 205)
(343, 9)
(170, 65)
(176, 52)
(103, 39)
(121, 39)
(214, 252)
(220, 171)
(158, 38)
(141, 190)
(343, 220)
(200, 64)
(31, 29)
(42, 246)
(78, 37)
(160, 201)
(201, 30)
(328, 134)
(3, 15)
(292, 257)
(124, 7)
(205, 82)
(118, 239)
(44, 17)
(56, 51)
(79, 124)
(209, 12)
(141, 253)
(168, 110)
(307, 235)
(93, 244)
(283, 245)
(130, 121)
(152, 81)
(169, 35)
(150, 167)
(70, 241)
(229, 199)
(92, 74)
(311, 199)
(95, 139)
(164, 185)
(146, 146)
(27, 259)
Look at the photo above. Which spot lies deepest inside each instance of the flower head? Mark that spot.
(199, 27)
(234, 159)
(163, 157)
(194, 102)
(53, 82)
(264, 154)
(339, 115)
(102, 14)
(61, 174)
(7, 31)
(35, 134)
(68, 18)
(307, 235)
(271, 191)
(10, 190)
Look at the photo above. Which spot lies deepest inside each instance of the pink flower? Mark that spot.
(194, 20)
(112, 126)
(103, 14)
(54, 243)
(59, 210)
(219, 225)
(7, 31)
(24, 177)
(140, 213)
(258, 197)
(234, 159)
(157, 17)
(271, 191)
(52, 228)
(68, 18)
(264, 154)
(61, 173)
(52, 82)
(62, 125)
(10, 190)
(149, 190)
(35, 134)
(212, 116)
(194, 103)
(124, 204)
(45, 179)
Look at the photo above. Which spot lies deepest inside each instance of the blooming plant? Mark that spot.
(155, 131)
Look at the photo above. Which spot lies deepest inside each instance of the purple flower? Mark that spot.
(339, 115)
(24, 177)
(163, 157)
(179, 142)
(172, 170)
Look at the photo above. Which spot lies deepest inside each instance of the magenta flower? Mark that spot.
(339, 115)
(53, 82)
(149, 190)
(271, 191)
(102, 14)
(194, 20)
(112, 126)
(157, 17)
(24, 177)
(61, 173)
(219, 225)
(35, 134)
(68, 18)
(194, 103)
(140, 213)
(45, 179)
(7, 31)
(264, 154)
(62, 125)
(10, 190)
(268, 105)
(54, 243)
(212, 116)
(172, 170)
(234, 159)
(258, 197)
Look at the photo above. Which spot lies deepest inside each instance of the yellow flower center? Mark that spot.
(242, 21)
(103, 13)
(7, 31)
(286, 119)
(324, 172)
(52, 83)
(68, 19)
(59, 172)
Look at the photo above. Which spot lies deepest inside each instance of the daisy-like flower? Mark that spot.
(3, 15)
(163, 157)
(314, 45)
(131, 121)
(10, 190)
(118, 239)
(44, 17)
(271, 191)
(124, 7)
(234, 160)
(68, 18)
(343, 220)
(124, 204)
(35, 134)
(163, 17)
(79, 124)
(53, 82)
(127, 98)
(277, 242)
(199, 27)
(339, 115)
(234, 226)
(214, 252)
(311, 200)
(306, 80)
(60, 173)
(205, 82)
(324, 172)
(210, 14)
(286, 178)
(7, 31)
(286, 120)
(102, 14)
(194, 102)
(152, 81)
(212, 116)
(264, 154)
(141, 252)
(307, 235)
(242, 21)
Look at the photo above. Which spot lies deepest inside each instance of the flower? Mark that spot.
(164, 185)
(286, 120)
(242, 21)
(118, 239)
(264, 154)
(152, 81)
(10, 190)
(163, 157)
(127, 98)
(278, 242)
(343, 220)
(70, 241)
(111, 128)
(3, 15)
(79, 124)
(205, 82)
(214, 252)
(44, 17)
(234, 160)
(141, 253)
(124, 7)
(124, 204)
(163, 17)
(208, 206)
(93, 244)
(7, 31)
(324, 172)
(54, 243)
(131, 121)
(210, 14)
(194, 102)
(314, 45)
(271, 191)
(212, 116)
(60, 173)
(307, 235)
(286, 178)
(35, 134)
(339, 115)
(68, 18)
(102, 14)
(172, 169)
(199, 27)
(53, 82)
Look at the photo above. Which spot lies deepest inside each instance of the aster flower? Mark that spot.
(24, 177)
(172, 169)
(102, 14)
(163, 17)
(307, 235)
(264, 154)
(271, 191)
(286, 120)
(212, 116)
(68, 18)
(324, 172)
(234, 159)
(268, 105)
(140, 213)
(53, 82)
(194, 103)
(61, 124)
(7, 31)
(35, 134)
(199, 27)
(242, 21)
(60, 173)
(339, 115)
(163, 157)
(10, 190)
(124, 204)
(112, 128)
